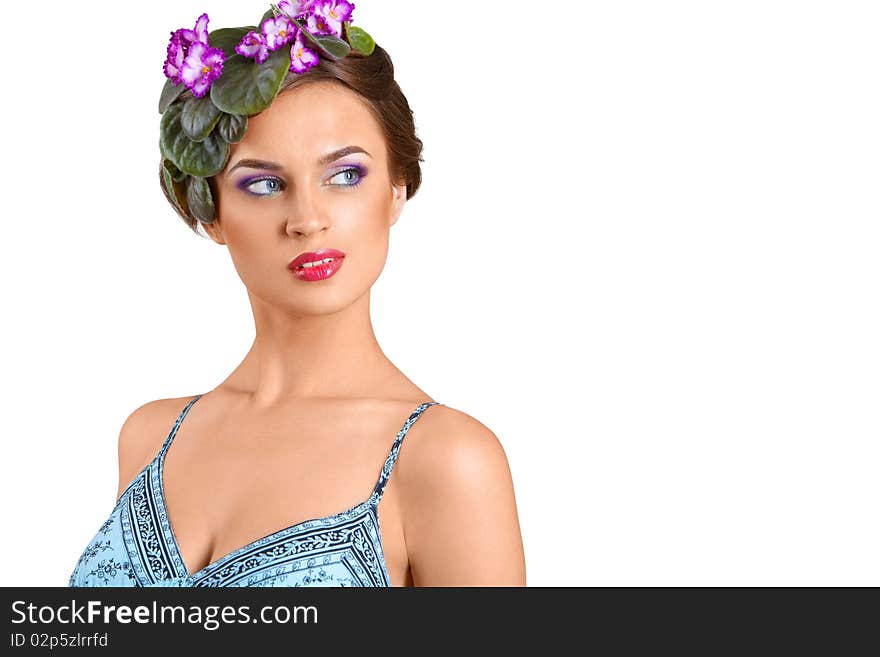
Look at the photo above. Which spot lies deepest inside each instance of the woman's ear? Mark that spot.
(398, 199)
(214, 231)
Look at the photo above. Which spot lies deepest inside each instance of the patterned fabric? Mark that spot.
(136, 546)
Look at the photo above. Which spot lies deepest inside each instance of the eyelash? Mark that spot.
(252, 181)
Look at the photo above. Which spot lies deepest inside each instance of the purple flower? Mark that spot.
(199, 33)
(329, 15)
(174, 60)
(254, 44)
(191, 61)
(203, 65)
(278, 31)
(302, 58)
(317, 24)
(296, 8)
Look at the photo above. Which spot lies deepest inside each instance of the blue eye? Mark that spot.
(351, 177)
(274, 186)
(268, 186)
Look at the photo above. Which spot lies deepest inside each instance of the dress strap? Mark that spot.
(395, 449)
(176, 426)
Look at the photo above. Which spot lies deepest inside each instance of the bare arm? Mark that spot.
(460, 518)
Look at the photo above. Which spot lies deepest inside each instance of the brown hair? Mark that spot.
(372, 78)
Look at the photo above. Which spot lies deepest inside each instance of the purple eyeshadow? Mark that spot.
(361, 169)
(245, 182)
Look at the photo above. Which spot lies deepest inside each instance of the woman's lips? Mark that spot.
(316, 265)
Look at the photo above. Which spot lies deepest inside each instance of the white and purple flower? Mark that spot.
(175, 57)
(302, 58)
(319, 16)
(296, 8)
(254, 44)
(199, 33)
(329, 15)
(278, 31)
(317, 24)
(203, 65)
(191, 61)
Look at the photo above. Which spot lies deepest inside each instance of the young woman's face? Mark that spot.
(306, 194)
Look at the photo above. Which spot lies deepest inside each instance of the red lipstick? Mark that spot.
(316, 265)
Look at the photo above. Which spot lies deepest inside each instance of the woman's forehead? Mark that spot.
(316, 105)
(313, 119)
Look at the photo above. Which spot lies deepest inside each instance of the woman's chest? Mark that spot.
(231, 486)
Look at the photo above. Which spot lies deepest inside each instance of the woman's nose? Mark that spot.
(306, 215)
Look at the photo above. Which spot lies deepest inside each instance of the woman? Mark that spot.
(281, 474)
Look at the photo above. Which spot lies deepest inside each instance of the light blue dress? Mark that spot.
(136, 546)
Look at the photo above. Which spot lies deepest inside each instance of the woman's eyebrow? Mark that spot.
(255, 164)
(274, 166)
(342, 152)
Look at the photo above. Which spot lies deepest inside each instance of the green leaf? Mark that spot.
(332, 46)
(170, 92)
(360, 41)
(176, 174)
(201, 203)
(231, 127)
(198, 117)
(172, 190)
(197, 158)
(226, 38)
(247, 88)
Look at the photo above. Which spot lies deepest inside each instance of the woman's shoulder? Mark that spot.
(458, 504)
(454, 429)
(451, 452)
(143, 432)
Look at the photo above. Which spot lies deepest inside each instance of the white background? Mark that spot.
(669, 314)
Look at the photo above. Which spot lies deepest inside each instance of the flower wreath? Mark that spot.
(232, 74)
